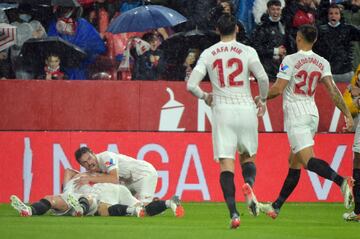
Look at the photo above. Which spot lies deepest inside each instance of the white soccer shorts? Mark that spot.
(301, 131)
(234, 128)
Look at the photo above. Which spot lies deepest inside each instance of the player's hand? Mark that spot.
(208, 99)
(349, 124)
(261, 106)
(82, 180)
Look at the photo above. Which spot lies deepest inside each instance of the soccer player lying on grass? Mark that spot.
(298, 77)
(84, 200)
(138, 176)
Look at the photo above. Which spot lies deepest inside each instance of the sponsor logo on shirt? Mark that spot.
(283, 67)
(109, 163)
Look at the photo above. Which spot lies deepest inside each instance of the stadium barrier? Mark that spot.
(33, 163)
(127, 105)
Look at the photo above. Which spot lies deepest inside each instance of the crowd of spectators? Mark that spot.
(166, 53)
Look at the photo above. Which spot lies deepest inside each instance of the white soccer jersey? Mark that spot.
(108, 193)
(303, 70)
(229, 65)
(127, 168)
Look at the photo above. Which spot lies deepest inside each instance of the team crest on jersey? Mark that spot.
(109, 163)
(283, 67)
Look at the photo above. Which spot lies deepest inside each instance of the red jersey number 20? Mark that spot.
(218, 65)
(306, 79)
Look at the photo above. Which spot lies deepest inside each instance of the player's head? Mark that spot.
(86, 158)
(226, 25)
(306, 35)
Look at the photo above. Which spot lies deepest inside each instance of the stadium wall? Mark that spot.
(127, 106)
(32, 163)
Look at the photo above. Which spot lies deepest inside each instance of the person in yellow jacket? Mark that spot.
(352, 99)
(352, 93)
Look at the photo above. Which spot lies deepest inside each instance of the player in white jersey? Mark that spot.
(100, 198)
(234, 113)
(298, 76)
(140, 177)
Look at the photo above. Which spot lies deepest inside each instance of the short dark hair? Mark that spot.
(273, 3)
(334, 5)
(81, 151)
(309, 32)
(149, 37)
(226, 24)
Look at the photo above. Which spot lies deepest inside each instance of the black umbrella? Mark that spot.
(35, 51)
(176, 47)
(65, 3)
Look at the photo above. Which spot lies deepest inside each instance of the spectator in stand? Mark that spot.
(334, 44)
(226, 6)
(268, 39)
(100, 12)
(5, 65)
(150, 65)
(76, 30)
(243, 13)
(352, 16)
(52, 68)
(182, 72)
(27, 28)
(260, 8)
(295, 14)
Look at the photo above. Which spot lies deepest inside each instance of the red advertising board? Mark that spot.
(128, 105)
(32, 163)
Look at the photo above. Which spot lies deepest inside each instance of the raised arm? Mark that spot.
(338, 100)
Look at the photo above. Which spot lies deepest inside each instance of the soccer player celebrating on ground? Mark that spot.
(137, 175)
(234, 114)
(102, 199)
(297, 79)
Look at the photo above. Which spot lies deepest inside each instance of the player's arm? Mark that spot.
(110, 177)
(263, 82)
(194, 88)
(69, 173)
(338, 100)
(277, 88)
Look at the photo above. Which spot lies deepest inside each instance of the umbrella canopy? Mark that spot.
(176, 47)
(145, 18)
(7, 36)
(65, 3)
(35, 51)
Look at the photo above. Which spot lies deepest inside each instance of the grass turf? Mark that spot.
(202, 220)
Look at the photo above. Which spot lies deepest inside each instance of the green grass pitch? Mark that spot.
(201, 220)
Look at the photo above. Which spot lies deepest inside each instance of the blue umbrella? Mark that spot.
(145, 18)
